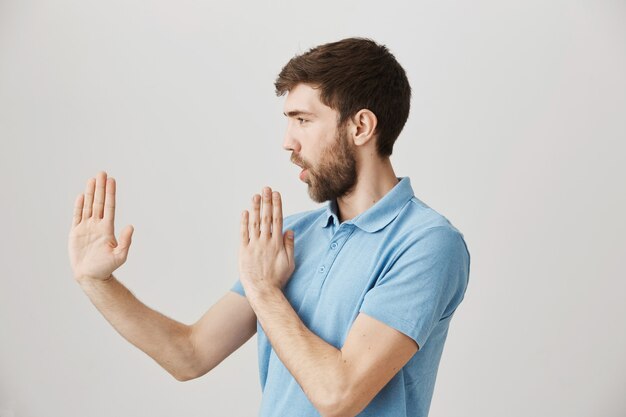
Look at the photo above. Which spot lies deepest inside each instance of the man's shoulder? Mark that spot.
(420, 234)
(424, 228)
(419, 218)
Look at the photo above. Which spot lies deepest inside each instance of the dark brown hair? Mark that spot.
(354, 74)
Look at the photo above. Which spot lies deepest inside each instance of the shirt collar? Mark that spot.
(380, 214)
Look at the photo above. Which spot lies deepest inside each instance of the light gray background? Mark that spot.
(516, 135)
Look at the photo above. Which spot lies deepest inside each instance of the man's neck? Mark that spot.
(373, 182)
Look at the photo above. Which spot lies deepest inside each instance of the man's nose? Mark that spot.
(290, 143)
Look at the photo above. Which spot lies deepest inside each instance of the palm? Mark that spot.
(265, 254)
(93, 250)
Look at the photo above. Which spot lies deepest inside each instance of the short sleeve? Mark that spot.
(425, 283)
(238, 288)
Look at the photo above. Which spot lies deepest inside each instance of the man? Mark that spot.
(351, 302)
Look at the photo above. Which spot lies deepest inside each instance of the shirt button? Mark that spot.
(333, 245)
(322, 269)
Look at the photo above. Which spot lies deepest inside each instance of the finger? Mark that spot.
(277, 216)
(109, 202)
(125, 241)
(89, 190)
(245, 235)
(78, 209)
(288, 241)
(255, 218)
(98, 202)
(266, 219)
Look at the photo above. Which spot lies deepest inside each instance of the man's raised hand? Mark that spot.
(266, 254)
(93, 250)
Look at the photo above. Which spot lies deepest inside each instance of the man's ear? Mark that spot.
(364, 126)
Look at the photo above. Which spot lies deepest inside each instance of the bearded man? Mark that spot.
(351, 302)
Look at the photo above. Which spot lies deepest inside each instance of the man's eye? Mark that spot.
(301, 120)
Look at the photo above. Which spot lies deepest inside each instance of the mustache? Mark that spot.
(296, 159)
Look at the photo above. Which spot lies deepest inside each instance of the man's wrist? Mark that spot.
(259, 294)
(90, 281)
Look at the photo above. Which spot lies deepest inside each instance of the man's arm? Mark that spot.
(338, 382)
(185, 351)
(225, 327)
(94, 253)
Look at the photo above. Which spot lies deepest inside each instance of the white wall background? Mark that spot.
(516, 134)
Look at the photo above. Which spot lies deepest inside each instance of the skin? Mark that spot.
(94, 251)
(338, 382)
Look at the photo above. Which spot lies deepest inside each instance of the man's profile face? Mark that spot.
(318, 145)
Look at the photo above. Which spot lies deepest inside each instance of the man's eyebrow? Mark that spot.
(296, 113)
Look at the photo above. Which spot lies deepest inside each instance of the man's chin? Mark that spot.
(313, 195)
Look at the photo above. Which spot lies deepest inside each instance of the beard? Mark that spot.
(336, 174)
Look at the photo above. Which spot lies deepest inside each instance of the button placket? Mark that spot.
(339, 238)
(311, 298)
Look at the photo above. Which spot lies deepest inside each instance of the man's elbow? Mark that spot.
(192, 371)
(340, 403)
(182, 377)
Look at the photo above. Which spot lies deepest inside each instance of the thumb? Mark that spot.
(288, 240)
(125, 239)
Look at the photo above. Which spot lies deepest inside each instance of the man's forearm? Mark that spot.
(165, 340)
(315, 364)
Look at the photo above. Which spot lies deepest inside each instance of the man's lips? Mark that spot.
(304, 171)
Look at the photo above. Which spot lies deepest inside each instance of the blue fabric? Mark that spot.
(399, 262)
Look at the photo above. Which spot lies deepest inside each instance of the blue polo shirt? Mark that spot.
(399, 262)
